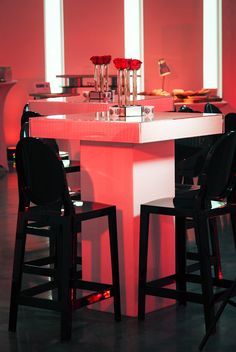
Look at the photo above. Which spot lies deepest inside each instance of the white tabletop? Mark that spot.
(141, 129)
(78, 104)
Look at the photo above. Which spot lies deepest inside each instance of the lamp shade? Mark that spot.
(164, 69)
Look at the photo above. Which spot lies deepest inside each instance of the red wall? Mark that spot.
(173, 30)
(92, 28)
(22, 48)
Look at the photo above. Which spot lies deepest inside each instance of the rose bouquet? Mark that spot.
(135, 66)
(124, 66)
(101, 71)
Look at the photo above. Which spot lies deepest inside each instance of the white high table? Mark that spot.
(78, 104)
(126, 163)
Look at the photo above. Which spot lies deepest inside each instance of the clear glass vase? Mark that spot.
(101, 78)
(123, 87)
(96, 77)
(119, 87)
(106, 77)
(126, 74)
(134, 86)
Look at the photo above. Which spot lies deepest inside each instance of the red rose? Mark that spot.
(129, 61)
(100, 60)
(135, 64)
(94, 59)
(106, 59)
(121, 64)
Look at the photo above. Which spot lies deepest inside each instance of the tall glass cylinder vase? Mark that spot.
(106, 77)
(126, 87)
(134, 86)
(96, 77)
(101, 78)
(119, 86)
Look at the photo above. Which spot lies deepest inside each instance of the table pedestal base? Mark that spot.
(129, 174)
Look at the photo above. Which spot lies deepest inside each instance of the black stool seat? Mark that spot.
(201, 204)
(47, 209)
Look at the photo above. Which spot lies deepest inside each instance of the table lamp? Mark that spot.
(164, 71)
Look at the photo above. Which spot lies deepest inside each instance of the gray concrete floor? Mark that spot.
(173, 329)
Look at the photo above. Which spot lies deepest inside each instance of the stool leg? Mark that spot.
(52, 243)
(114, 262)
(143, 252)
(215, 247)
(202, 234)
(76, 260)
(180, 257)
(17, 272)
(52, 253)
(64, 240)
(233, 222)
(217, 317)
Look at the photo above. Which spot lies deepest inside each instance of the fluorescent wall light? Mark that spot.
(54, 42)
(133, 21)
(212, 44)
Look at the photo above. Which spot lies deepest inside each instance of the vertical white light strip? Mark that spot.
(220, 33)
(212, 44)
(133, 21)
(54, 42)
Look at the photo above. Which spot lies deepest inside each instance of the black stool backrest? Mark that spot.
(27, 114)
(217, 175)
(211, 109)
(185, 108)
(24, 122)
(41, 176)
(24, 132)
(230, 122)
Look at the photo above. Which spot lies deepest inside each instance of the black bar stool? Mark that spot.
(201, 204)
(46, 209)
